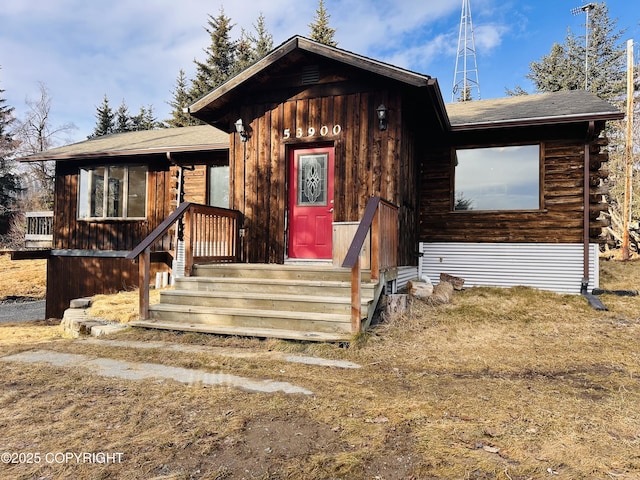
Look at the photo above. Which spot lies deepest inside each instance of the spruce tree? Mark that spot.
(251, 48)
(145, 120)
(105, 124)
(245, 55)
(180, 101)
(564, 67)
(263, 41)
(219, 64)
(320, 30)
(9, 181)
(122, 119)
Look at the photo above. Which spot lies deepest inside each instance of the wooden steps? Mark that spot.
(301, 302)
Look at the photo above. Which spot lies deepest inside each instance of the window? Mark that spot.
(312, 179)
(497, 178)
(112, 192)
(219, 186)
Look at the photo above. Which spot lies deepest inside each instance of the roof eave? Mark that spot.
(524, 122)
(123, 153)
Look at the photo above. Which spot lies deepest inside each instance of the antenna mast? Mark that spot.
(465, 77)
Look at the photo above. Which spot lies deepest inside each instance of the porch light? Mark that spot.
(382, 116)
(242, 131)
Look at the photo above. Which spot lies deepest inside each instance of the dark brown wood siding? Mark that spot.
(82, 269)
(70, 233)
(368, 162)
(560, 220)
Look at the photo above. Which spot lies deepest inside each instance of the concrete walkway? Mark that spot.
(107, 367)
(225, 352)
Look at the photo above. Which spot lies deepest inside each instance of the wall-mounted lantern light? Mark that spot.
(242, 131)
(382, 116)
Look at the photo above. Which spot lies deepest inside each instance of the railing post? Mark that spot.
(143, 282)
(375, 245)
(188, 242)
(356, 298)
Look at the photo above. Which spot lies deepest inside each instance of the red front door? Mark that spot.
(311, 203)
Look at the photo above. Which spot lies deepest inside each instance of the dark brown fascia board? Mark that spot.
(365, 63)
(124, 153)
(380, 68)
(232, 83)
(436, 98)
(524, 122)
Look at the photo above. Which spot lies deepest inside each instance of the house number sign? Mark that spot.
(312, 132)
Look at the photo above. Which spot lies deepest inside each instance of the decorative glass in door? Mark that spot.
(312, 180)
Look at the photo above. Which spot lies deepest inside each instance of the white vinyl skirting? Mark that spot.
(549, 266)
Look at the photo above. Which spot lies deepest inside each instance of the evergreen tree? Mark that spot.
(219, 64)
(263, 41)
(145, 120)
(105, 124)
(320, 30)
(9, 181)
(181, 100)
(245, 54)
(564, 67)
(122, 119)
(251, 48)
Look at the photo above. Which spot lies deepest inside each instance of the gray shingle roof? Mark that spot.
(202, 137)
(556, 107)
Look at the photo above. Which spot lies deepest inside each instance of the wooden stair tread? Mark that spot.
(243, 331)
(250, 312)
(291, 297)
(275, 281)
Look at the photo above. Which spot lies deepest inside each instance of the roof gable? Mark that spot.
(295, 53)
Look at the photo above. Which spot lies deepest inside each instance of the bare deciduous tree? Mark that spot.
(36, 134)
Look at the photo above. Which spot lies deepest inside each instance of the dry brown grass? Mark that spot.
(499, 384)
(121, 307)
(22, 278)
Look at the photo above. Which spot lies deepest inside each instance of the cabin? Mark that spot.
(321, 180)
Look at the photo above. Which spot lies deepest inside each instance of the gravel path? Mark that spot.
(21, 310)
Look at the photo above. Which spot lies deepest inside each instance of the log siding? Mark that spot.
(559, 220)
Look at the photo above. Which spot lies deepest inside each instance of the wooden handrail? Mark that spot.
(196, 224)
(159, 231)
(384, 238)
(353, 254)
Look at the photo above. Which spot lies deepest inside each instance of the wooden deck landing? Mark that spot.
(296, 302)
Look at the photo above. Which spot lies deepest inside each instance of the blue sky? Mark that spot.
(82, 50)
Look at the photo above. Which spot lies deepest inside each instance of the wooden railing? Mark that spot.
(382, 218)
(210, 235)
(39, 230)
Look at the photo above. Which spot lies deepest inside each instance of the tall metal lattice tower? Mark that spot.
(465, 78)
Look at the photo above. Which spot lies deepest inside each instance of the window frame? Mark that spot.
(86, 192)
(541, 156)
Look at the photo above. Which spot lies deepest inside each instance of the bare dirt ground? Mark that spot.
(499, 384)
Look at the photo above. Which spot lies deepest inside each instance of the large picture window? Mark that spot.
(112, 192)
(497, 178)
